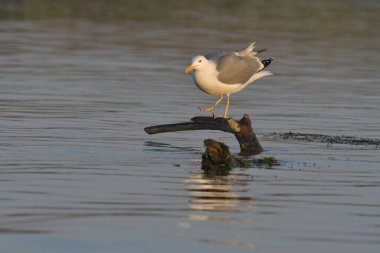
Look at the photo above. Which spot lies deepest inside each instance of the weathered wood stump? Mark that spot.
(242, 129)
(217, 159)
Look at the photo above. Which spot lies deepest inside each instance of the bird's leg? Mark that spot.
(226, 110)
(227, 104)
(211, 109)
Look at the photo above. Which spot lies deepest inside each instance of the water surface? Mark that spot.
(80, 81)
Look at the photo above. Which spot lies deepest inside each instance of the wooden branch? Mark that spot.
(242, 130)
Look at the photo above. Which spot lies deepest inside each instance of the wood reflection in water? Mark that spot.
(221, 199)
(217, 194)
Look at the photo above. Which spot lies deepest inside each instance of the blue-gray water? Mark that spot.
(79, 82)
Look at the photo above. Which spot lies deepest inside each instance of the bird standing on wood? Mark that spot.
(227, 72)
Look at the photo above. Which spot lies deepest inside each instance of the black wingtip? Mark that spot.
(266, 62)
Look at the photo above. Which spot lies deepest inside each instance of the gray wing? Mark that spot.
(235, 69)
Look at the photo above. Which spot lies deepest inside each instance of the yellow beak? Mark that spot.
(189, 69)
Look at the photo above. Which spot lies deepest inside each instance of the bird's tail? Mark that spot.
(256, 76)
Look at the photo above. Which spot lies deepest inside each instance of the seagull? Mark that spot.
(227, 72)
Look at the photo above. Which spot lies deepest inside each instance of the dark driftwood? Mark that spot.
(242, 130)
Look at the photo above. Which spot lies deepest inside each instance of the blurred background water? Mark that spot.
(80, 80)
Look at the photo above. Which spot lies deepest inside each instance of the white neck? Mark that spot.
(205, 78)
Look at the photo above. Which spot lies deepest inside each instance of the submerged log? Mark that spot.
(217, 159)
(242, 129)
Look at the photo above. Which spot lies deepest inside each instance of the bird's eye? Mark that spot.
(200, 61)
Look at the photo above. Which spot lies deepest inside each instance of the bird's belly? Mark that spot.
(214, 87)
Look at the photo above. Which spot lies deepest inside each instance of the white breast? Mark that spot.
(206, 80)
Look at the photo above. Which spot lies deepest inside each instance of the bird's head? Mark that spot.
(197, 63)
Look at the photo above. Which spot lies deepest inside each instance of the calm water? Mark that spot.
(79, 82)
